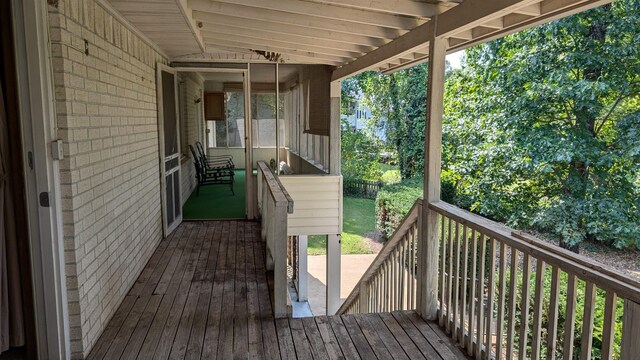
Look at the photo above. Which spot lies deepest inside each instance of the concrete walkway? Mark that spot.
(353, 266)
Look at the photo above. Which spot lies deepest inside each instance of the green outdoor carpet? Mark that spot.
(217, 202)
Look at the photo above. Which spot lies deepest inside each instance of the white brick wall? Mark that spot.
(106, 116)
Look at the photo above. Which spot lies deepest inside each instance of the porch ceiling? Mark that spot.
(385, 35)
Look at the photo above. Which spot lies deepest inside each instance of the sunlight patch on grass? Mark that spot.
(359, 220)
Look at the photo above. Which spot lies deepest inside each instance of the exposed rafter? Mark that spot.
(283, 18)
(255, 42)
(472, 22)
(216, 20)
(319, 58)
(188, 17)
(403, 7)
(289, 8)
(268, 36)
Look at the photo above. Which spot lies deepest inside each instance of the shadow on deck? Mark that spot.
(205, 294)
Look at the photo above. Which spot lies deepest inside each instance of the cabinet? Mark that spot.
(214, 106)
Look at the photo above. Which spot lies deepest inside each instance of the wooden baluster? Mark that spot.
(403, 274)
(449, 279)
(465, 276)
(587, 321)
(630, 347)
(410, 270)
(502, 290)
(552, 330)
(608, 328)
(491, 298)
(511, 328)
(456, 286)
(443, 258)
(392, 280)
(570, 318)
(537, 310)
(472, 292)
(387, 295)
(480, 301)
(415, 267)
(524, 307)
(363, 297)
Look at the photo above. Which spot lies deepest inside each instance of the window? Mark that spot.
(229, 132)
(263, 108)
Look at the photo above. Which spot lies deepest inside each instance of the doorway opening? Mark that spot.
(17, 323)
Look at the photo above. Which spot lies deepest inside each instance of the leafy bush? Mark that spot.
(394, 202)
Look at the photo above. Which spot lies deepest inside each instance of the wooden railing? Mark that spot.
(390, 281)
(503, 294)
(274, 205)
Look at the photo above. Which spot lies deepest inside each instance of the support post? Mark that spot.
(335, 130)
(280, 287)
(428, 232)
(630, 347)
(303, 274)
(333, 274)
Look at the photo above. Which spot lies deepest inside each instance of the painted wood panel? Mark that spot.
(317, 206)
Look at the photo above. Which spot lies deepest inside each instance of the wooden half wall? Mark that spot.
(318, 204)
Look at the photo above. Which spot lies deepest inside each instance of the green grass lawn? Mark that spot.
(359, 219)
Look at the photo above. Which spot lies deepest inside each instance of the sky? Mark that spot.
(454, 59)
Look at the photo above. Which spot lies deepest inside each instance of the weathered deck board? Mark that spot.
(205, 295)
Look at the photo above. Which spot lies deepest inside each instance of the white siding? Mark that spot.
(317, 208)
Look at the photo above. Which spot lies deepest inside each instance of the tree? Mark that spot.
(542, 127)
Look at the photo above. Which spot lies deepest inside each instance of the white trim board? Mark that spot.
(37, 113)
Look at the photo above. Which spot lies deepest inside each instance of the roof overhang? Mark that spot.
(353, 35)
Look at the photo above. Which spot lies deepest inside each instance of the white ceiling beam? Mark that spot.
(472, 13)
(406, 43)
(468, 15)
(531, 10)
(276, 28)
(403, 7)
(297, 7)
(288, 38)
(256, 42)
(555, 9)
(253, 13)
(193, 26)
(319, 58)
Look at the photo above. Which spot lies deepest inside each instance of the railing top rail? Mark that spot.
(601, 275)
(276, 189)
(409, 220)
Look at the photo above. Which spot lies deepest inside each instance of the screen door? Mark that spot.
(169, 148)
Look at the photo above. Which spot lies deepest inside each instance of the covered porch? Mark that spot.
(205, 293)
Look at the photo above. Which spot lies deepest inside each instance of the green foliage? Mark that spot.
(360, 154)
(358, 221)
(394, 202)
(398, 105)
(541, 128)
(598, 322)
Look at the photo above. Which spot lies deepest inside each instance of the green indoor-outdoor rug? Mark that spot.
(217, 202)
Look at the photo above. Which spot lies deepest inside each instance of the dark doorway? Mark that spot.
(17, 323)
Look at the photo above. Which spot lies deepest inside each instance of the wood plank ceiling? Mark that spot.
(334, 32)
(303, 31)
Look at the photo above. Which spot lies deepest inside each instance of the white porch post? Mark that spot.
(335, 145)
(333, 274)
(428, 232)
(303, 273)
(333, 241)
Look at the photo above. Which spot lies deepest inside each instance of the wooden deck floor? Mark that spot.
(204, 294)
